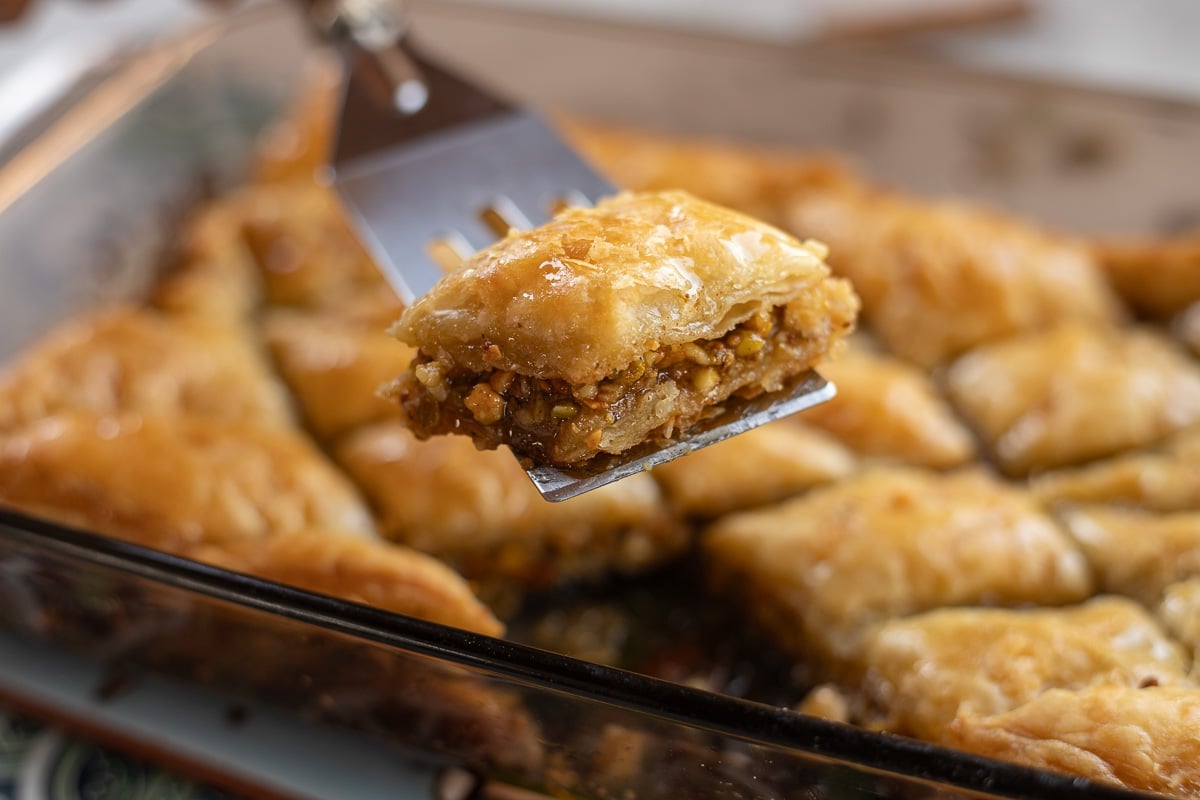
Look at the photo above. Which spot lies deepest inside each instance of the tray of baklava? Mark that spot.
(975, 571)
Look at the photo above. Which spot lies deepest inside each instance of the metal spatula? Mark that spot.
(432, 169)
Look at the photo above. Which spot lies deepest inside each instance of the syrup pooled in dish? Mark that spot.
(615, 326)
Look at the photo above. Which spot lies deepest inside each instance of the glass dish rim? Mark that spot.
(745, 720)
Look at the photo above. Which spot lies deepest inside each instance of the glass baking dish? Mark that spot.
(85, 213)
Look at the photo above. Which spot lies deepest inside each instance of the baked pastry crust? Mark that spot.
(820, 570)
(755, 468)
(1137, 553)
(759, 182)
(923, 671)
(616, 325)
(132, 359)
(477, 511)
(937, 279)
(380, 574)
(1179, 612)
(1147, 739)
(1073, 394)
(335, 367)
(1165, 480)
(888, 409)
(1158, 277)
(173, 483)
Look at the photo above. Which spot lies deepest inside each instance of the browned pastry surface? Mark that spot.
(1167, 479)
(1137, 553)
(478, 511)
(787, 458)
(367, 571)
(937, 279)
(890, 410)
(818, 571)
(307, 254)
(174, 483)
(616, 325)
(1147, 739)
(759, 182)
(212, 272)
(132, 359)
(1179, 612)
(1158, 277)
(923, 671)
(335, 367)
(1074, 393)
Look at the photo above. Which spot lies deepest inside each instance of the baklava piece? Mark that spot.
(130, 359)
(304, 247)
(212, 272)
(1159, 278)
(1144, 739)
(477, 511)
(175, 483)
(756, 181)
(923, 671)
(820, 570)
(335, 367)
(889, 410)
(616, 326)
(1074, 393)
(1167, 479)
(759, 467)
(937, 279)
(376, 573)
(1137, 553)
(1179, 612)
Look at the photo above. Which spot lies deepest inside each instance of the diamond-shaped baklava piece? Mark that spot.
(130, 359)
(477, 511)
(889, 410)
(820, 570)
(923, 671)
(1134, 552)
(174, 483)
(1167, 479)
(1073, 394)
(937, 279)
(758, 467)
(1146, 739)
(615, 326)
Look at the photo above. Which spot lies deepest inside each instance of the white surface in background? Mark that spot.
(1149, 45)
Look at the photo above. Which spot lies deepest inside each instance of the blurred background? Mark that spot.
(1146, 47)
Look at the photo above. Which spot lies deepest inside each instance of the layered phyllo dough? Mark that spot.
(788, 458)
(616, 326)
(1140, 738)
(937, 279)
(1074, 393)
(921, 672)
(888, 410)
(819, 571)
(477, 511)
(133, 359)
(1164, 479)
(173, 483)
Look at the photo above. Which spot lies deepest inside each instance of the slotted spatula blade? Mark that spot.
(452, 170)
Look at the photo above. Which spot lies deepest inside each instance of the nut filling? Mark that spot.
(656, 397)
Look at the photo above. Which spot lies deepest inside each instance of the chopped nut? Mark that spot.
(433, 378)
(703, 380)
(696, 353)
(484, 404)
(501, 380)
(750, 344)
(564, 411)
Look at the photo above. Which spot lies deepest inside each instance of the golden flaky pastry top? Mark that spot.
(581, 297)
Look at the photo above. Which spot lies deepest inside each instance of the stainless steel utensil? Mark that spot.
(431, 169)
